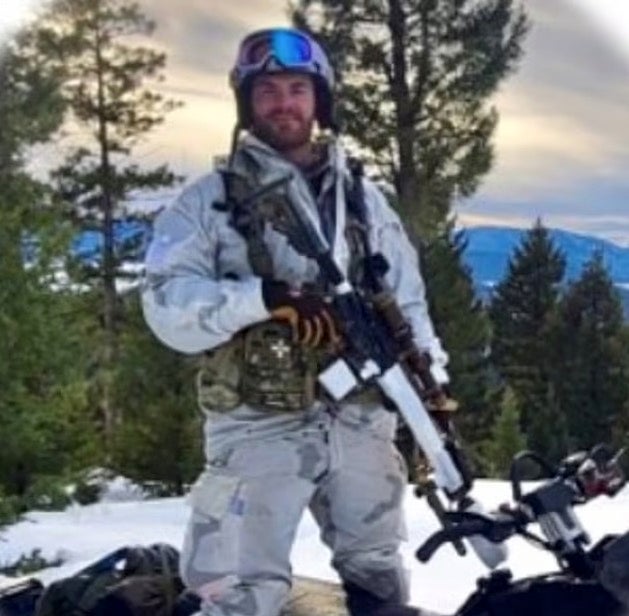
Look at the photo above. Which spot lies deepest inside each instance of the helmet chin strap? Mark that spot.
(234, 143)
(335, 128)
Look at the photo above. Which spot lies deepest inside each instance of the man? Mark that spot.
(274, 444)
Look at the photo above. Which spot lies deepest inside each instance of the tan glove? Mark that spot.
(310, 315)
(442, 401)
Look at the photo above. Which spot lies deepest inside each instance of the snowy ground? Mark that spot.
(82, 534)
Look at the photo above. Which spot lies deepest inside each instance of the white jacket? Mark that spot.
(200, 290)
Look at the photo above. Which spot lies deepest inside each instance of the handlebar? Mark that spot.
(578, 479)
(515, 471)
(462, 524)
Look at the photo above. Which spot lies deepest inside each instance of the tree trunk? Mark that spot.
(406, 185)
(110, 416)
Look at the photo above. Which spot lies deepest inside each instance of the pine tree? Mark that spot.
(415, 77)
(591, 374)
(620, 432)
(42, 393)
(506, 438)
(520, 309)
(621, 425)
(463, 327)
(104, 83)
(160, 438)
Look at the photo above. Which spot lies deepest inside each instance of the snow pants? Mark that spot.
(261, 475)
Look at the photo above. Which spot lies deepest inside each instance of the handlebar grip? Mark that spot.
(465, 525)
(426, 550)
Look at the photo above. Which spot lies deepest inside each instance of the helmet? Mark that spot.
(281, 50)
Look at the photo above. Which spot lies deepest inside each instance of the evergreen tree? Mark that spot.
(104, 83)
(414, 80)
(42, 393)
(621, 424)
(160, 438)
(519, 312)
(506, 438)
(591, 374)
(547, 431)
(463, 327)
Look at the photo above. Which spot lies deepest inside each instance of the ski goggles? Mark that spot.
(291, 49)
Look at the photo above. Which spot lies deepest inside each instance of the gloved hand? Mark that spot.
(437, 396)
(309, 314)
(442, 400)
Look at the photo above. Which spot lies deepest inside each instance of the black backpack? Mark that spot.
(20, 598)
(132, 581)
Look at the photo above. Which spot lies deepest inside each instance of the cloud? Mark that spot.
(612, 17)
(571, 89)
(203, 34)
(192, 135)
(562, 139)
(549, 138)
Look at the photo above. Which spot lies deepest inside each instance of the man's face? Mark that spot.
(283, 110)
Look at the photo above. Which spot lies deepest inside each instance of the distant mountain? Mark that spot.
(487, 253)
(489, 249)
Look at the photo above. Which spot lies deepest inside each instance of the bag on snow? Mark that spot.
(20, 598)
(132, 581)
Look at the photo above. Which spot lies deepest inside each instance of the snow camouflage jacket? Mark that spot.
(200, 289)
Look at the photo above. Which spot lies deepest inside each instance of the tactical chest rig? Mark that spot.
(261, 366)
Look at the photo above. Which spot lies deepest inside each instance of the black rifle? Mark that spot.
(377, 344)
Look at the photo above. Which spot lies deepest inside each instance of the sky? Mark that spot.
(81, 535)
(562, 145)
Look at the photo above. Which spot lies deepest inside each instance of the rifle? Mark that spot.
(379, 347)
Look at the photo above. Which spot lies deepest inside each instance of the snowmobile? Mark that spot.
(589, 580)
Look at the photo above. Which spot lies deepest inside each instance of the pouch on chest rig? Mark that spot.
(277, 374)
(261, 367)
(218, 377)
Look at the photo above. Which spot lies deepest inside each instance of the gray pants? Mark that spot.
(247, 505)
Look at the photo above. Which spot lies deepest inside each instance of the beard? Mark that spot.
(283, 132)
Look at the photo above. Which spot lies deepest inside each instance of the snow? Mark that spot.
(81, 534)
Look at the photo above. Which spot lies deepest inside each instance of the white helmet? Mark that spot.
(281, 50)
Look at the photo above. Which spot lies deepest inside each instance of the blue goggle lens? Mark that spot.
(288, 48)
